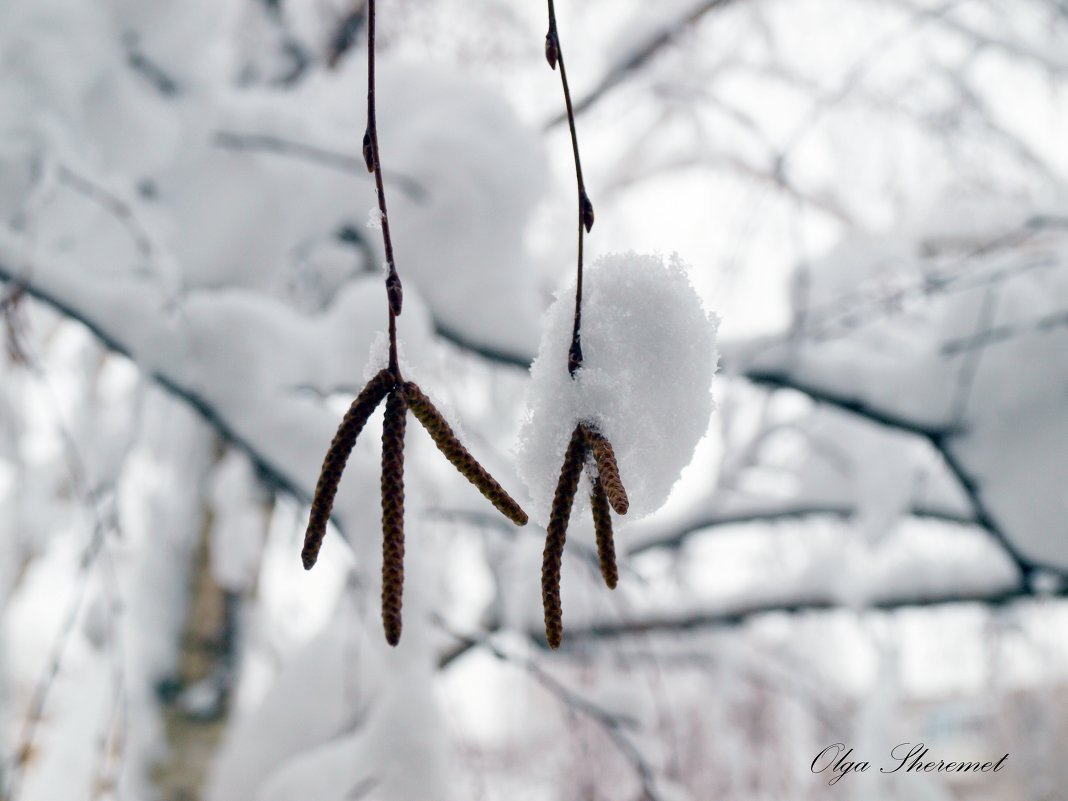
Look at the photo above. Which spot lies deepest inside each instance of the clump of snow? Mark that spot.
(649, 354)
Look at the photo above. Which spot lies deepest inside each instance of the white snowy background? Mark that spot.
(865, 542)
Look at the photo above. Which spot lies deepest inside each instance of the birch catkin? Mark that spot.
(556, 535)
(393, 427)
(336, 458)
(608, 470)
(602, 524)
(467, 465)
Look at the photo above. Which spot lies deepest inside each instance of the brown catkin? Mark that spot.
(602, 524)
(608, 471)
(441, 432)
(556, 534)
(336, 458)
(393, 426)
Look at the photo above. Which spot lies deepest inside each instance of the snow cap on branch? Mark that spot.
(649, 354)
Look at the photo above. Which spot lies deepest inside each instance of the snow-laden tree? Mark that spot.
(868, 195)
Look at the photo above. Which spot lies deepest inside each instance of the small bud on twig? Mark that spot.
(586, 210)
(552, 49)
(574, 357)
(368, 152)
(394, 291)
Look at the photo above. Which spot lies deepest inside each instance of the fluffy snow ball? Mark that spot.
(649, 354)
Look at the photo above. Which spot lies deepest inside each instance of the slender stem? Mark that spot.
(554, 54)
(394, 294)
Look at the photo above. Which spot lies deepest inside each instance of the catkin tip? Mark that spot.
(608, 470)
(467, 465)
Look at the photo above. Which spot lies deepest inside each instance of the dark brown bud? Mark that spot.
(336, 458)
(602, 524)
(574, 356)
(556, 535)
(586, 211)
(394, 291)
(393, 426)
(552, 49)
(608, 470)
(441, 432)
(368, 152)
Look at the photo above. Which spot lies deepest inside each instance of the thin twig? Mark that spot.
(644, 53)
(992, 597)
(345, 31)
(324, 157)
(372, 157)
(554, 54)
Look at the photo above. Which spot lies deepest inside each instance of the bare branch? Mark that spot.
(324, 157)
(731, 617)
(641, 55)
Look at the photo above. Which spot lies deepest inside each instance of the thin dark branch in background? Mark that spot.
(732, 617)
(812, 694)
(324, 157)
(969, 370)
(1029, 568)
(486, 352)
(768, 175)
(114, 205)
(1000, 334)
(269, 473)
(985, 40)
(850, 403)
(679, 535)
(346, 33)
(478, 519)
(845, 315)
(614, 725)
(156, 77)
(942, 440)
(640, 57)
(94, 553)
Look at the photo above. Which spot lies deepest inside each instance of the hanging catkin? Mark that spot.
(556, 535)
(602, 524)
(441, 432)
(393, 426)
(336, 458)
(389, 382)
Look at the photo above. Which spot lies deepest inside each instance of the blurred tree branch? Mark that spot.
(640, 56)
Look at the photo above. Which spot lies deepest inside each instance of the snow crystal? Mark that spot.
(649, 356)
